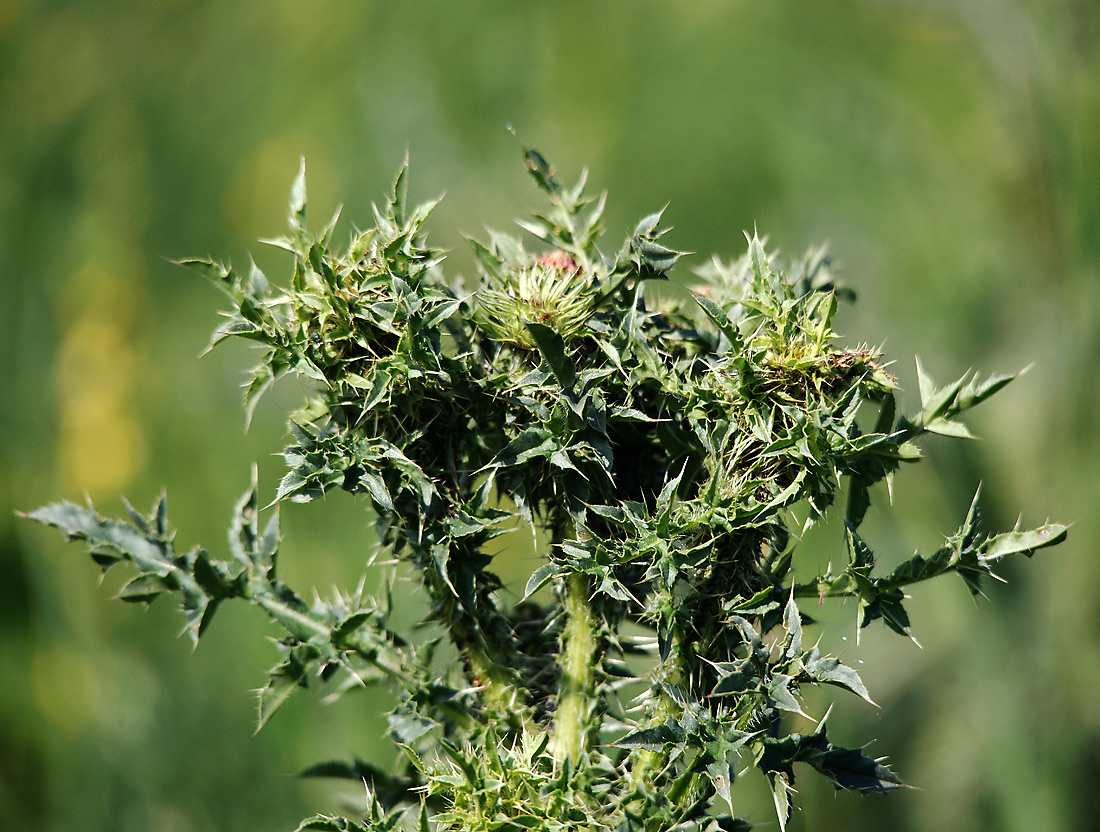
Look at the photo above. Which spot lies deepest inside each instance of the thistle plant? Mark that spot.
(667, 443)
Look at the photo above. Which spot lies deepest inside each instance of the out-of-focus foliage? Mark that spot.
(949, 152)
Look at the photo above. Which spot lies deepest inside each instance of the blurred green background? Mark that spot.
(949, 152)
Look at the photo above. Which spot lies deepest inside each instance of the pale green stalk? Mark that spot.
(579, 644)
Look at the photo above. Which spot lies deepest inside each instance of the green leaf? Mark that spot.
(719, 318)
(219, 274)
(541, 577)
(540, 169)
(298, 201)
(357, 770)
(443, 310)
(377, 489)
(400, 193)
(946, 427)
(144, 588)
(887, 605)
(758, 604)
(830, 671)
(657, 257)
(209, 577)
(781, 694)
(149, 550)
(648, 225)
(781, 797)
(886, 414)
(859, 500)
(283, 680)
(723, 770)
(655, 738)
(975, 393)
(408, 727)
(925, 385)
(758, 258)
(342, 632)
(332, 823)
(552, 347)
(1026, 543)
(262, 380)
(668, 492)
(534, 442)
(940, 405)
(792, 623)
(847, 768)
(383, 787)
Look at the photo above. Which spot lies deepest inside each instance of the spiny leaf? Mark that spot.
(332, 823)
(792, 623)
(220, 274)
(285, 678)
(830, 671)
(540, 169)
(298, 201)
(144, 588)
(653, 739)
(847, 768)
(781, 797)
(552, 347)
(655, 256)
(719, 318)
(541, 577)
(757, 257)
(1026, 542)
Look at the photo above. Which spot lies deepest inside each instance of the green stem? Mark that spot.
(576, 694)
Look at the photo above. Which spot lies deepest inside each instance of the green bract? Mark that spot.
(661, 441)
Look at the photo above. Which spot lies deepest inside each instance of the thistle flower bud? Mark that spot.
(553, 291)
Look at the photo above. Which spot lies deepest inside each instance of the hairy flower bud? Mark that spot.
(553, 292)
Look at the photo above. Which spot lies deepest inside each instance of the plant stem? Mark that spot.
(579, 644)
